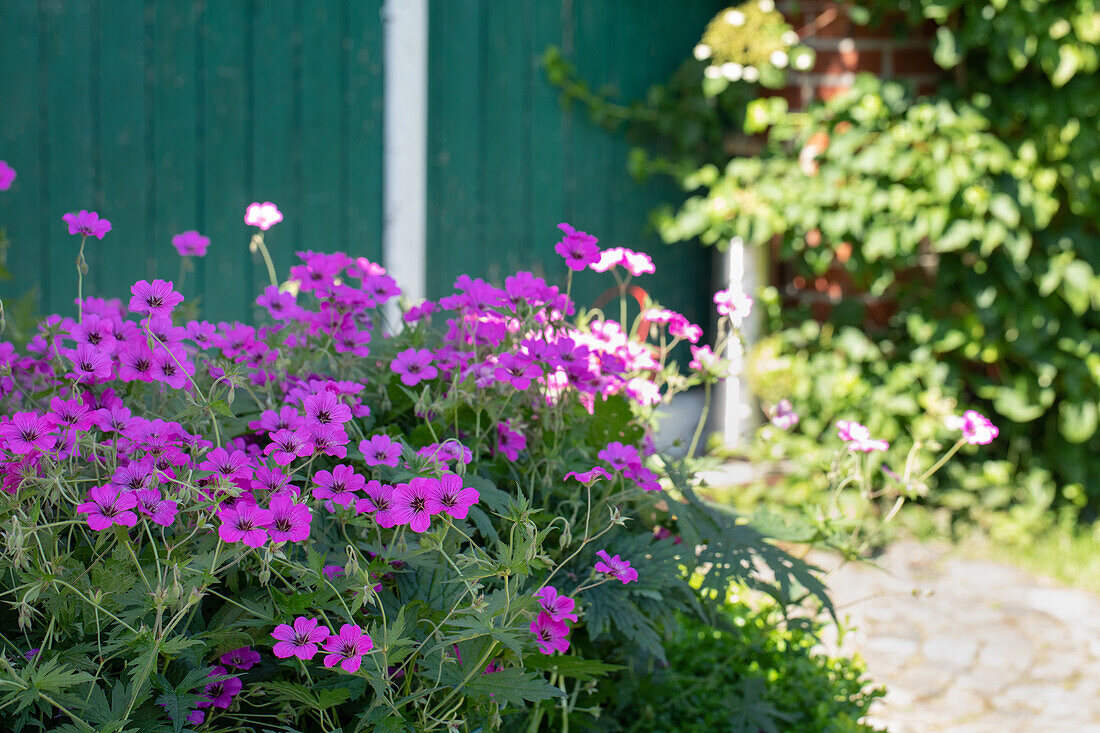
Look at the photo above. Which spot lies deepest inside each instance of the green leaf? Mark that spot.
(1077, 421)
(577, 668)
(512, 686)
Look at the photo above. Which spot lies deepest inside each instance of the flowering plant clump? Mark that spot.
(316, 523)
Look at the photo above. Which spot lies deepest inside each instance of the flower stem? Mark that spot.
(81, 268)
(258, 244)
(702, 420)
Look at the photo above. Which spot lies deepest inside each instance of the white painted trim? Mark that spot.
(405, 147)
(743, 275)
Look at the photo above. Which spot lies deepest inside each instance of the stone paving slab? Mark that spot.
(969, 646)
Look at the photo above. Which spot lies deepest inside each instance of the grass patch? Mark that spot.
(1069, 554)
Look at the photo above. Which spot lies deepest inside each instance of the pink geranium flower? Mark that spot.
(300, 640)
(286, 445)
(558, 606)
(87, 224)
(264, 216)
(411, 500)
(550, 634)
(90, 365)
(380, 501)
(517, 370)
(510, 442)
(28, 431)
(977, 429)
(593, 474)
(7, 175)
(220, 694)
(616, 567)
(108, 505)
(453, 498)
(579, 249)
(326, 409)
(151, 504)
(414, 366)
(243, 658)
(858, 437)
(245, 523)
(636, 263)
(191, 244)
(155, 298)
(338, 485)
(347, 648)
(783, 415)
(730, 303)
(380, 450)
(290, 520)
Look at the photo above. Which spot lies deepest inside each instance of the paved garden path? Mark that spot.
(970, 646)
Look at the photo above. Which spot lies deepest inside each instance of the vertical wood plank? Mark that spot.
(174, 133)
(546, 136)
(69, 152)
(20, 137)
(225, 186)
(454, 114)
(120, 184)
(276, 48)
(501, 245)
(321, 211)
(361, 111)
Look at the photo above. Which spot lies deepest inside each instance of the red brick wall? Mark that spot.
(891, 50)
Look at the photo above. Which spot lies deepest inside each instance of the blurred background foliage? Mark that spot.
(959, 228)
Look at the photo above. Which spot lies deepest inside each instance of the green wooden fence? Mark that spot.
(506, 161)
(167, 115)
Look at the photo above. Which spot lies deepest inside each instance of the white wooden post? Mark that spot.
(744, 274)
(405, 147)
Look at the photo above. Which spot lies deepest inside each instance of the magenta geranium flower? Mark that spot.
(220, 694)
(620, 456)
(347, 648)
(579, 249)
(70, 414)
(783, 415)
(414, 366)
(730, 303)
(977, 429)
(90, 365)
(380, 450)
(290, 520)
(264, 216)
(380, 501)
(151, 504)
(155, 298)
(858, 437)
(550, 634)
(593, 474)
(616, 567)
(510, 442)
(326, 409)
(28, 431)
(517, 370)
(7, 175)
(245, 523)
(558, 606)
(191, 244)
(230, 465)
(338, 485)
(410, 503)
(453, 498)
(300, 640)
(243, 658)
(286, 445)
(108, 505)
(87, 223)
